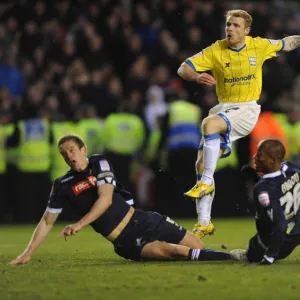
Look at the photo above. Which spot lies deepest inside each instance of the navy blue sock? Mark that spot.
(205, 254)
(198, 176)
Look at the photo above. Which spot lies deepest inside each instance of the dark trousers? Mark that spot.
(179, 178)
(33, 191)
(256, 251)
(122, 167)
(8, 196)
(3, 197)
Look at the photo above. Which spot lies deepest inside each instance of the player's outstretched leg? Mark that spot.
(164, 251)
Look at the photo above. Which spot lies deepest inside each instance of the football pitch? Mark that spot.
(86, 267)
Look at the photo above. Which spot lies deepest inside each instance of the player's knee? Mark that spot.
(208, 126)
(212, 125)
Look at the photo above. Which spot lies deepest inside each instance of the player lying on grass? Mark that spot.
(92, 191)
(276, 201)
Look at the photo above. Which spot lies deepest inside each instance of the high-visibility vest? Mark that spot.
(2, 150)
(123, 133)
(152, 145)
(267, 127)
(294, 143)
(34, 148)
(58, 165)
(184, 125)
(91, 131)
(229, 161)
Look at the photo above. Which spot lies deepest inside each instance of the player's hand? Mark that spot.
(21, 260)
(205, 79)
(70, 230)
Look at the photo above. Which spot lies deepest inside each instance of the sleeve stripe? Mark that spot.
(53, 210)
(187, 61)
(283, 45)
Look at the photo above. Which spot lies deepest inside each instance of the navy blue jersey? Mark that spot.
(276, 203)
(80, 190)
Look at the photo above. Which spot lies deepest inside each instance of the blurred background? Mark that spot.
(107, 70)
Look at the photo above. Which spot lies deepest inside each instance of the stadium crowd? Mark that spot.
(72, 61)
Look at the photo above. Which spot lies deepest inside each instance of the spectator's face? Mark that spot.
(66, 84)
(30, 28)
(135, 42)
(235, 30)
(52, 102)
(96, 43)
(11, 24)
(74, 98)
(93, 10)
(195, 34)
(98, 77)
(162, 75)
(40, 8)
(69, 48)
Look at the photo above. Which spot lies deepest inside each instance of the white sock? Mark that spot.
(203, 208)
(211, 150)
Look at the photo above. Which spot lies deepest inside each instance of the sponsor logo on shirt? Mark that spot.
(264, 199)
(104, 166)
(240, 80)
(84, 185)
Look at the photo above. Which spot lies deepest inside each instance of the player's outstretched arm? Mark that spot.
(291, 42)
(187, 73)
(39, 236)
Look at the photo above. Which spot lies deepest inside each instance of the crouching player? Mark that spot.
(276, 202)
(92, 191)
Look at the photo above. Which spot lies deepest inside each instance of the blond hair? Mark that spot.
(239, 13)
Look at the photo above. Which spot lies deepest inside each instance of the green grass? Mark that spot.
(86, 267)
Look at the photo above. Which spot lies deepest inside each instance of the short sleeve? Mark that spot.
(55, 203)
(105, 174)
(272, 47)
(202, 61)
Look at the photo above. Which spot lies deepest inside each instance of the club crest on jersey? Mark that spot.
(104, 166)
(84, 185)
(252, 61)
(274, 42)
(264, 199)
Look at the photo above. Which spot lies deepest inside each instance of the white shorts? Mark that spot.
(240, 117)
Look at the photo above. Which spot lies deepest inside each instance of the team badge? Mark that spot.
(104, 166)
(252, 61)
(264, 199)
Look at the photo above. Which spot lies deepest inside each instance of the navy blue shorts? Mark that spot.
(146, 227)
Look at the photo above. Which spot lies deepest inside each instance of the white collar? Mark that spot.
(272, 175)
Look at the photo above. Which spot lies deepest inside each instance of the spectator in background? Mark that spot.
(95, 52)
